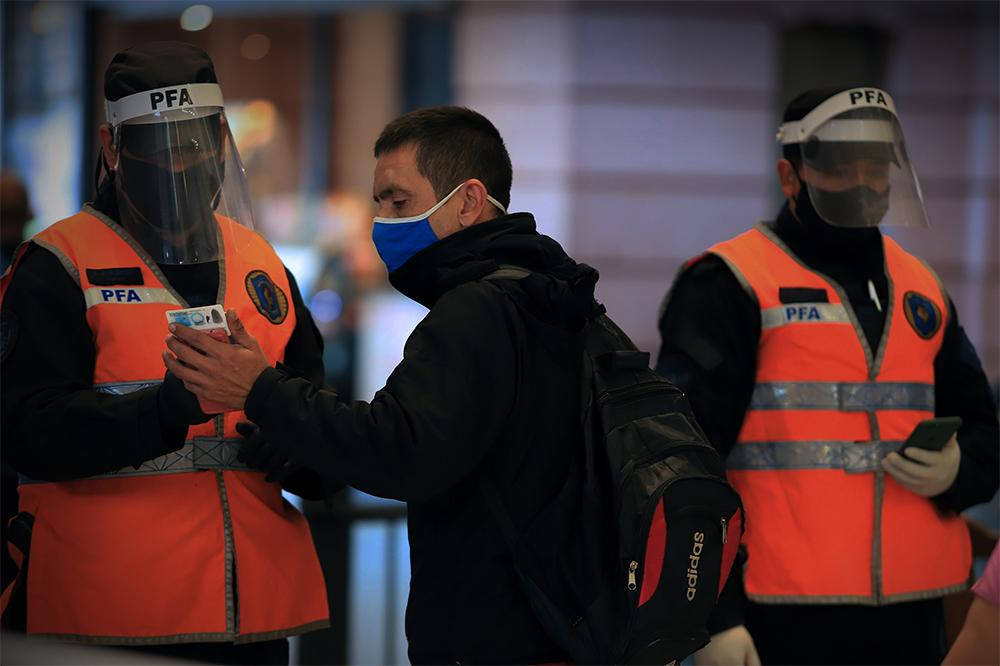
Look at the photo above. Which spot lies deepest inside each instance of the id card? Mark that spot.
(209, 319)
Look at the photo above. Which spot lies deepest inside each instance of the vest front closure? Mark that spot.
(874, 363)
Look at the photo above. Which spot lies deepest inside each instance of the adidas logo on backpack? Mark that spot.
(699, 541)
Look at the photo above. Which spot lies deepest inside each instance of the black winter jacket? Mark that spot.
(488, 385)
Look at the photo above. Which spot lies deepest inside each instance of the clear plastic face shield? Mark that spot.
(854, 162)
(178, 176)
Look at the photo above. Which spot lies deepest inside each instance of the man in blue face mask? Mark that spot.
(488, 387)
(398, 184)
(412, 212)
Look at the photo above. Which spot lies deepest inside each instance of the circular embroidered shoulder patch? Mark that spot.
(267, 296)
(923, 314)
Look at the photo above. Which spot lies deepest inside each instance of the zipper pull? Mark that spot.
(874, 295)
(724, 524)
(632, 566)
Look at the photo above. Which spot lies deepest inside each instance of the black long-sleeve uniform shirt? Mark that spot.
(55, 426)
(710, 330)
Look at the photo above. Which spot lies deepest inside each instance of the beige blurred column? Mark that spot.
(367, 93)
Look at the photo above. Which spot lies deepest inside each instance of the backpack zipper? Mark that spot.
(659, 454)
(656, 386)
(632, 566)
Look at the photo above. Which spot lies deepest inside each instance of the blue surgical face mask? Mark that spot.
(399, 238)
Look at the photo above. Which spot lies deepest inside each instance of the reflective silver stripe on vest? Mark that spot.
(203, 453)
(803, 313)
(871, 600)
(854, 457)
(128, 296)
(124, 388)
(199, 454)
(843, 396)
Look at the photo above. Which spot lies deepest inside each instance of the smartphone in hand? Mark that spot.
(931, 434)
(209, 319)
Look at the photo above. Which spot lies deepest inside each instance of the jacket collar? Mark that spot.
(559, 291)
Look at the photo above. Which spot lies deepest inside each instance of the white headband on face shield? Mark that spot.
(857, 131)
(188, 96)
(798, 131)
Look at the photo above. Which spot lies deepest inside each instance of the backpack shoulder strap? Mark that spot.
(501, 518)
(507, 272)
(604, 338)
(487, 489)
(611, 348)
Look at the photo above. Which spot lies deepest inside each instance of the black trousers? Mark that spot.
(262, 652)
(905, 633)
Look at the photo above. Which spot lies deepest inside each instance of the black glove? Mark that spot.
(177, 406)
(261, 454)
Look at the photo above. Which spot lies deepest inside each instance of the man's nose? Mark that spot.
(873, 182)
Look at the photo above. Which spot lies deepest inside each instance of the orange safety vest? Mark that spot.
(824, 523)
(191, 546)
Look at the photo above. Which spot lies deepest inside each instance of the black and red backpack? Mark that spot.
(625, 564)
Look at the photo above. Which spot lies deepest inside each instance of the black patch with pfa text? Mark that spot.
(270, 300)
(8, 333)
(114, 276)
(923, 314)
(803, 295)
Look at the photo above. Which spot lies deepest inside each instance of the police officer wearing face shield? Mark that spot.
(138, 524)
(810, 348)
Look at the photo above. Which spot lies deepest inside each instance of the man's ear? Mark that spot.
(474, 206)
(789, 179)
(108, 146)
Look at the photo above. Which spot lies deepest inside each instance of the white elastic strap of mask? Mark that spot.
(797, 131)
(424, 216)
(496, 203)
(156, 102)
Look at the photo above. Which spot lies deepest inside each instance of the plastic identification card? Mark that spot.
(209, 319)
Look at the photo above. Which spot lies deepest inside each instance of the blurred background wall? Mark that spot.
(640, 132)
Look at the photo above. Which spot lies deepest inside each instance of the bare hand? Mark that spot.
(217, 371)
(931, 474)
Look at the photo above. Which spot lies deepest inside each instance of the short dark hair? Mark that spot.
(453, 144)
